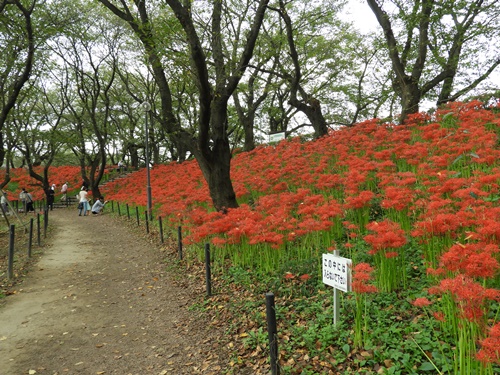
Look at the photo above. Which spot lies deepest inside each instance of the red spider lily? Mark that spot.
(488, 228)
(490, 346)
(218, 241)
(421, 302)
(350, 226)
(439, 316)
(362, 273)
(388, 235)
(469, 295)
(397, 198)
(440, 224)
(360, 200)
(472, 260)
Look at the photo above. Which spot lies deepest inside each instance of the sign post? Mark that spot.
(276, 137)
(337, 273)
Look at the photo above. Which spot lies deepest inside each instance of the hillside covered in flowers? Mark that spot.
(416, 208)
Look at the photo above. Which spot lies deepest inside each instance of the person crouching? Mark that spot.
(98, 206)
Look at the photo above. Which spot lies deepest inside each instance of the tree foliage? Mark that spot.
(430, 42)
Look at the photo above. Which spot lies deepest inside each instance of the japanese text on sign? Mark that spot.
(337, 272)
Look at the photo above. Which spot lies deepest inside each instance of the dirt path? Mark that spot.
(100, 302)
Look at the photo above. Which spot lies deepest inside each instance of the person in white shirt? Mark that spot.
(121, 166)
(83, 205)
(22, 199)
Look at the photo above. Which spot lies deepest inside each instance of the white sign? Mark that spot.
(276, 137)
(337, 272)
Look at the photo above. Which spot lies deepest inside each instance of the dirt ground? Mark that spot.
(101, 300)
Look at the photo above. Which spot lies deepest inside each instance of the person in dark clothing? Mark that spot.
(29, 202)
(50, 193)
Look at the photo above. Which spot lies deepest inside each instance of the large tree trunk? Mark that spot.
(249, 141)
(215, 159)
(217, 172)
(410, 96)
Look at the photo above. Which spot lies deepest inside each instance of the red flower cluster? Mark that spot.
(490, 346)
(362, 274)
(475, 260)
(388, 235)
(469, 296)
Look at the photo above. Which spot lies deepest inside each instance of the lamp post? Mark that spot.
(147, 107)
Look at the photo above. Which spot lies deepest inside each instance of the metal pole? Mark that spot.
(336, 297)
(30, 238)
(272, 333)
(38, 228)
(10, 267)
(128, 212)
(137, 214)
(160, 224)
(147, 222)
(45, 222)
(208, 275)
(179, 240)
(147, 107)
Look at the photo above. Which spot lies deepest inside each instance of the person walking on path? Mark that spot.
(83, 205)
(50, 193)
(29, 202)
(64, 191)
(22, 199)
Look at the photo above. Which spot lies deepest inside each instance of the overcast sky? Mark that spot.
(360, 13)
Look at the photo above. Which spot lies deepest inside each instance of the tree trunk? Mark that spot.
(215, 159)
(410, 99)
(249, 142)
(134, 156)
(216, 170)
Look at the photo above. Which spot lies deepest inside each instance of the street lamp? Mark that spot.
(147, 107)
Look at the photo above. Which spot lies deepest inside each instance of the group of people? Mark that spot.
(84, 203)
(51, 193)
(27, 200)
(84, 207)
